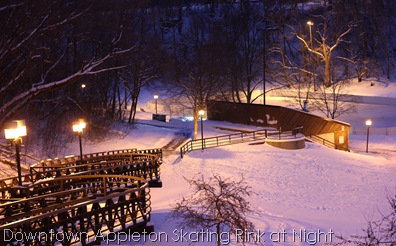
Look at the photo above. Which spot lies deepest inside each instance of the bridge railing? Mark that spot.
(76, 207)
(146, 166)
(144, 163)
(105, 155)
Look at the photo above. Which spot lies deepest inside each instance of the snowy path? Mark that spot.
(173, 146)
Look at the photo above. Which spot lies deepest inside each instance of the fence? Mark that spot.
(253, 136)
(326, 142)
(223, 140)
(236, 138)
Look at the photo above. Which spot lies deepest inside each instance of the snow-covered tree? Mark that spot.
(47, 45)
(48, 49)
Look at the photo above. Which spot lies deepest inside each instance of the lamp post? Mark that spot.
(79, 127)
(202, 113)
(310, 24)
(156, 99)
(15, 131)
(368, 124)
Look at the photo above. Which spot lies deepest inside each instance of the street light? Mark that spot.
(202, 113)
(156, 99)
(310, 24)
(368, 124)
(78, 127)
(15, 131)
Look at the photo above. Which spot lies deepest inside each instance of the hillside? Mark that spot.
(314, 190)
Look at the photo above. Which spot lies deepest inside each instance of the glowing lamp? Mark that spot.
(79, 126)
(15, 129)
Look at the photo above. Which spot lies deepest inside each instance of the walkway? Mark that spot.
(173, 146)
(106, 193)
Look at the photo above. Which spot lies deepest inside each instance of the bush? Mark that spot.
(215, 203)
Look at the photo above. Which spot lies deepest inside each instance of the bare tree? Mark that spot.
(193, 64)
(360, 64)
(215, 203)
(297, 78)
(333, 101)
(245, 64)
(373, 37)
(325, 51)
(142, 62)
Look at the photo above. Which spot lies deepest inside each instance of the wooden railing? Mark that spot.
(104, 193)
(144, 163)
(326, 142)
(71, 210)
(223, 140)
(252, 136)
(99, 156)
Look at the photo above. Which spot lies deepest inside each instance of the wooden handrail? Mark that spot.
(87, 213)
(67, 161)
(326, 142)
(249, 136)
(222, 140)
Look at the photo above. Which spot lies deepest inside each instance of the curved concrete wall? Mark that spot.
(293, 143)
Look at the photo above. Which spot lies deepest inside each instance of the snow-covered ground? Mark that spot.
(311, 189)
(317, 192)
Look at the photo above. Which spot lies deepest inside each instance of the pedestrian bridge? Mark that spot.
(71, 202)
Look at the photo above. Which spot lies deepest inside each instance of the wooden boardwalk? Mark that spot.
(68, 202)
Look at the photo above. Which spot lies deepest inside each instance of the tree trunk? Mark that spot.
(327, 81)
(196, 116)
(114, 99)
(120, 112)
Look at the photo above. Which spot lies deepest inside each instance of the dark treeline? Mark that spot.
(199, 50)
